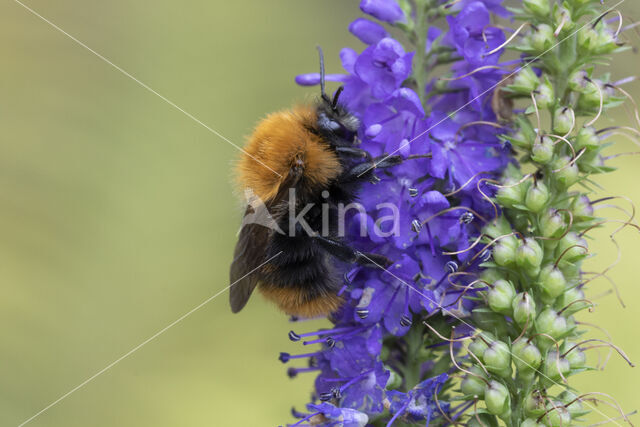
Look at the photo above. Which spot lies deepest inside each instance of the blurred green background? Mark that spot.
(117, 214)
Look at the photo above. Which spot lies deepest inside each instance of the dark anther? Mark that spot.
(374, 179)
(313, 362)
(451, 266)
(284, 357)
(466, 218)
(416, 226)
(293, 318)
(413, 192)
(292, 372)
(293, 336)
(346, 278)
(405, 321)
(337, 394)
(330, 342)
(325, 397)
(485, 255)
(362, 313)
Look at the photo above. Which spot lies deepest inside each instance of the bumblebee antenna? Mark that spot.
(322, 91)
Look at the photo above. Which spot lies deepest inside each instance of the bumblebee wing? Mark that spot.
(248, 255)
(253, 240)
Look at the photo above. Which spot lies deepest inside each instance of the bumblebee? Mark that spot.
(301, 163)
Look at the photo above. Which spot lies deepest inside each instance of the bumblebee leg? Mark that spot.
(348, 254)
(365, 170)
(357, 153)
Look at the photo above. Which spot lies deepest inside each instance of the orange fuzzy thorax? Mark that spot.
(281, 141)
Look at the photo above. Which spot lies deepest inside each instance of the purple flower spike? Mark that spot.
(365, 353)
(384, 10)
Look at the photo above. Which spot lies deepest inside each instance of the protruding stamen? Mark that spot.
(362, 313)
(405, 321)
(416, 226)
(413, 192)
(325, 397)
(466, 218)
(293, 372)
(451, 266)
(293, 336)
(284, 357)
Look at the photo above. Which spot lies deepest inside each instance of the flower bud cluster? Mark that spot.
(528, 341)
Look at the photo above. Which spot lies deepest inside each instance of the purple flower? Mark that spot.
(419, 403)
(384, 10)
(383, 66)
(326, 414)
(367, 31)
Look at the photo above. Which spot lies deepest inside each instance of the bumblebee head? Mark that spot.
(333, 118)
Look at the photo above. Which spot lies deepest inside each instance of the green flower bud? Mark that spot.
(607, 42)
(545, 96)
(597, 41)
(526, 357)
(497, 228)
(572, 403)
(472, 385)
(395, 381)
(542, 38)
(511, 193)
(551, 323)
(497, 359)
(540, 8)
(500, 296)
(497, 399)
(536, 197)
(490, 275)
(552, 367)
(529, 256)
(563, 120)
(581, 208)
(562, 16)
(586, 138)
(576, 357)
(542, 150)
(591, 95)
(524, 308)
(577, 80)
(592, 162)
(534, 404)
(551, 282)
(552, 223)
(525, 82)
(504, 252)
(478, 345)
(486, 420)
(557, 415)
(530, 422)
(565, 173)
(520, 140)
(568, 299)
(571, 248)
